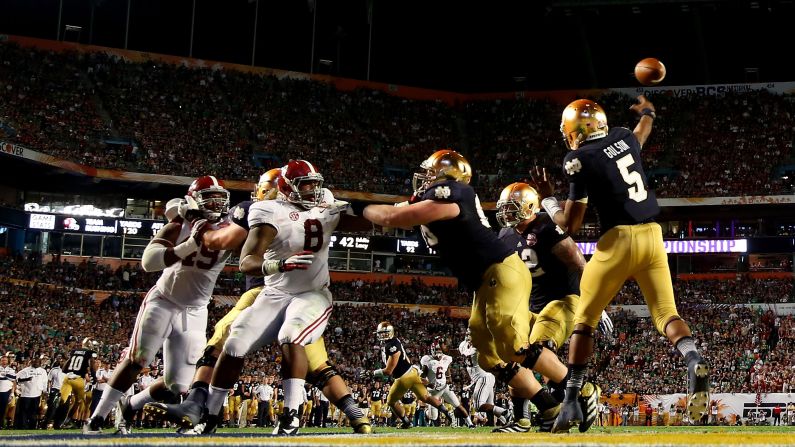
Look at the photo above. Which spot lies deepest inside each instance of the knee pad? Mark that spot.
(207, 359)
(507, 372)
(531, 355)
(320, 378)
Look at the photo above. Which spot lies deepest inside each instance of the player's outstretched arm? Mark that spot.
(410, 216)
(230, 237)
(645, 109)
(163, 251)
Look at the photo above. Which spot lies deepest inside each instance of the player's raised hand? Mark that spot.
(542, 183)
(198, 228)
(642, 104)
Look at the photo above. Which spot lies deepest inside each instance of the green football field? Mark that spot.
(444, 436)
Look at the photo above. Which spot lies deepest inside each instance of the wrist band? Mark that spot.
(648, 112)
(551, 206)
(270, 266)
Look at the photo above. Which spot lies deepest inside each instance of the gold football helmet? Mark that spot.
(443, 164)
(582, 120)
(267, 186)
(88, 343)
(518, 201)
(385, 331)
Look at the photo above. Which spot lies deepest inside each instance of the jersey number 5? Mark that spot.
(637, 191)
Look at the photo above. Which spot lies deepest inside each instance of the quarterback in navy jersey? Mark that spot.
(451, 221)
(604, 169)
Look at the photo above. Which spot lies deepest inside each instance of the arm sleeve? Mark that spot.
(577, 191)
(153, 259)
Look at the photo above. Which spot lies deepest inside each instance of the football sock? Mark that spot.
(518, 408)
(576, 379)
(543, 400)
(138, 401)
(349, 407)
(198, 393)
(468, 420)
(293, 390)
(686, 345)
(109, 398)
(215, 399)
(558, 389)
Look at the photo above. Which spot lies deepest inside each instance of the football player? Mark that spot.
(398, 366)
(288, 245)
(448, 212)
(434, 369)
(82, 363)
(173, 315)
(604, 167)
(322, 373)
(481, 382)
(556, 264)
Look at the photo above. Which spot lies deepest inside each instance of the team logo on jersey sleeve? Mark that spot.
(572, 167)
(239, 213)
(442, 192)
(294, 215)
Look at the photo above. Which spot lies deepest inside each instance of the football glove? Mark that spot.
(606, 327)
(299, 261)
(198, 228)
(380, 374)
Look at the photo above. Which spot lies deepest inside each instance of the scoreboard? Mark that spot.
(95, 225)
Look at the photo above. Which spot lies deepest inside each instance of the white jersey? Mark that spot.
(437, 370)
(298, 229)
(55, 377)
(471, 359)
(190, 282)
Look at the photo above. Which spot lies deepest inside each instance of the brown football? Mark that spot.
(649, 71)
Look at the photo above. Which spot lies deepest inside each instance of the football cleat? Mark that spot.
(548, 418)
(361, 426)
(405, 425)
(570, 416)
(288, 423)
(94, 426)
(520, 426)
(187, 414)
(589, 399)
(698, 390)
(207, 426)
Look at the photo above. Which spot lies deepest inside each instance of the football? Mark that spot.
(649, 71)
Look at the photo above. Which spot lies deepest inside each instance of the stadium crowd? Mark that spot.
(170, 119)
(753, 350)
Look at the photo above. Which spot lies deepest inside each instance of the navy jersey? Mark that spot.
(390, 347)
(551, 279)
(407, 398)
(375, 394)
(237, 388)
(609, 172)
(465, 243)
(79, 362)
(240, 218)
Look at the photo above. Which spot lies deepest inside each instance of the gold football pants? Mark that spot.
(555, 322)
(408, 381)
(626, 251)
(500, 321)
